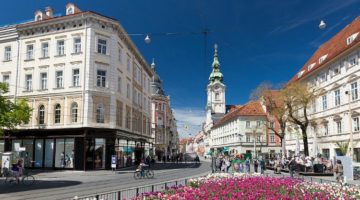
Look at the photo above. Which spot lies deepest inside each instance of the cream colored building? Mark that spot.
(333, 71)
(88, 86)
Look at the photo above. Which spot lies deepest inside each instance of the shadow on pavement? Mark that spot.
(163, 166)
(39, 184)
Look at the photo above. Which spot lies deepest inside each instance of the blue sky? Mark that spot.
(258, 41)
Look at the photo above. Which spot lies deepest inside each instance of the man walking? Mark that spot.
(339, 171)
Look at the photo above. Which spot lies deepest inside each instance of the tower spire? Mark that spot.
(153, 64)
(216, 75)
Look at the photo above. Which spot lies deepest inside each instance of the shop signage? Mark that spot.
(113, 161)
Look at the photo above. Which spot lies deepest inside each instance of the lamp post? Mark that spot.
(350, 151)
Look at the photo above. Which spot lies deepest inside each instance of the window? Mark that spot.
(43, 81)
(247, 138)
(42, 114)
(247, 124)
(76, 77)
(351, 38)
(324, 102)
(59, 79)
(101, 78)
(77, 45)
(258, 123)
(300, 73)
(272, 124)
(258, 138)
(28, 78)
(100, 114)
(323, 77)
(354, 91)
(74, 112)
(128, 90)
(45, 50)
(119, 85)
(101, 46)
(6, 79)
(314, 106)
(338, 126)
(272, 138)
(337, 97)
(217, 96)
(311, 66)
(7, 53)
(356, 124)
(322, 58)
(128, 64)
(326, 129)
(353, 61)
(30, 52)
(57, 116)
(336, 71)
(120, 54)
(70, 11)
(60, 47)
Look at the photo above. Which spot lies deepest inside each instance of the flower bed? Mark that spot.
(242, 186)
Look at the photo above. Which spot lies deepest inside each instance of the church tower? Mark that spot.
(215, 107)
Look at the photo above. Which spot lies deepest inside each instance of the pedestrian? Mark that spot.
(339, 171)
(292, 167)
(247, 163)
(256, 165)
(262, 165)
(218, 163)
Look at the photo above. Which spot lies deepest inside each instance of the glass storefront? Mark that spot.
(49, 153)
(64, 153)
(28, 154)
(99, 153)
(69, 153)
(39, 153)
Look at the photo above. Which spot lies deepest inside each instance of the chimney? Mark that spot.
(49, 11)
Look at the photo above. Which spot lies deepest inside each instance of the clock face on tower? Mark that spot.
(216, 87)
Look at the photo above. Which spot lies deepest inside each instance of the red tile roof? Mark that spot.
(252, 108)
(333, 47)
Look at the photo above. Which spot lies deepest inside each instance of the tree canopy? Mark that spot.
(12, 113)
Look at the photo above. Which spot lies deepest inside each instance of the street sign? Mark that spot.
(22, 149)
(113, 161)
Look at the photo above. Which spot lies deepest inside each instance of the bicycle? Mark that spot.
(25, 179)
(148, 173)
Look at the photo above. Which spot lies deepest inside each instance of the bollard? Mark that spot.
(97, 197)
(311, 179)
(176, 183)
(137, 192)
(152, 188)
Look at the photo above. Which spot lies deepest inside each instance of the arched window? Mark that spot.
(74, 112)
(57, 116)
(42, 114)
(38, 17)
(217, 96)
(70, 11)
(100, 114)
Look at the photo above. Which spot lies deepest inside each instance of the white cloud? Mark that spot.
(190, 117)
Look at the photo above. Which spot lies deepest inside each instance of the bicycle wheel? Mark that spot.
(137, 175)
(10, 180)
(150, 173)
(28, 180)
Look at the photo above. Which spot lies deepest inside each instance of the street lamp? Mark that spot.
(350, 151)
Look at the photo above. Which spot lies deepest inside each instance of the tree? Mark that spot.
(297, 99)
(12, 113)
(274, 103)
(343, 147)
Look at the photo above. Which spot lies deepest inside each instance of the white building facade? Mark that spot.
(244, 130)
(88, 86)
(333, 71)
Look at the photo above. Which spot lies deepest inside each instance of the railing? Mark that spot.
(135, 191)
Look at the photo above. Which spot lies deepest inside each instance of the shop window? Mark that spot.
(28, 153)
(64, 153)
(49, 153)
(38, 153)
(326, 153)
(99, 153)
(357, 154)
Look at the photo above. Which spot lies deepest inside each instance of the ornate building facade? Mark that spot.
(88, 86)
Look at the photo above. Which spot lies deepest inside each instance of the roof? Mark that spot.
(330, 49)
(252, 108)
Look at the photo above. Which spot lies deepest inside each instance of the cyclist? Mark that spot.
(17, 170)
(141, 167)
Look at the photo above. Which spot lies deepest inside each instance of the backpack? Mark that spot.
(247, 162)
